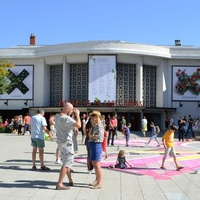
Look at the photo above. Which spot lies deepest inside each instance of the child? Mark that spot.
(104, 143)
(168, 142)
(153, 135)
(127, 133)
(121, 161)
(87, 130)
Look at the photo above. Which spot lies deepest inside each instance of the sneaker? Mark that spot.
(89, 171)
(58, 161)
(158, 145)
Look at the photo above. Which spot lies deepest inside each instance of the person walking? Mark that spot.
(144, 126)
(38, 126)
(96, 138)
(154, 134)
(168, 142)
(64, 131)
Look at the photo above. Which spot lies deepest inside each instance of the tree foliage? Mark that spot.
(4, 65)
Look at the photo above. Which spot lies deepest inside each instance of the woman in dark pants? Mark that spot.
(181, 124)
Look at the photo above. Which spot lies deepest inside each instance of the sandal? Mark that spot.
(179, 168)
(93, 184)
(71, 184)
(96, 186)
(45, 168)
(62, 187)
(34, 168)
(164, 168)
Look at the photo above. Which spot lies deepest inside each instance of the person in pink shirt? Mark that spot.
(6, 122)
(112, 129)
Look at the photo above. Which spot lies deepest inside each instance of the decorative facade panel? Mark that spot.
(126, 83)
(79, 82)
(56, 84)
(149, 85)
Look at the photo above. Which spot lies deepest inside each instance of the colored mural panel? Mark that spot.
(186, 83)
(20, 80)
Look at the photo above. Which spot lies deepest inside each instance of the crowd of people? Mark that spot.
(97, 132)
(188, 128)
(18, 124)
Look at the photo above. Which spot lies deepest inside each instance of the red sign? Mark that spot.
(86, 103)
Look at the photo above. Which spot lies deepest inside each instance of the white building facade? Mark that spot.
(146, 80)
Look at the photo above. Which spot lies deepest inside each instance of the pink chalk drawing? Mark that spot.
(147, 161)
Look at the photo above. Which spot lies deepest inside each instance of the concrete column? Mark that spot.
(160, 85)
(139, 81)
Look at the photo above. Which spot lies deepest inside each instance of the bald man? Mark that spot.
(64, 131)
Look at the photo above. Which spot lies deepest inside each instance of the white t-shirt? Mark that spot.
(64, 128)
(144, 121)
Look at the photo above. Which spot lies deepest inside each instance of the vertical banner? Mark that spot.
(186, 83)
(102, 78)
(20, 79)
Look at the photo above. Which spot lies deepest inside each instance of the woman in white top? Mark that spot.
(144, 126)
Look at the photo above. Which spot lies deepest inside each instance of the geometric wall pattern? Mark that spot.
(56, 84)
(126, 83)
(79, 82)
(149, 85)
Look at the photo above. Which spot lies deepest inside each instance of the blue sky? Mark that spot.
(153, 22)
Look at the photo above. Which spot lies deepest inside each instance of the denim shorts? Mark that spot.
(154, 136)
(127, 137)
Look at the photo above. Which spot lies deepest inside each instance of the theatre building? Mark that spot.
(129, 79)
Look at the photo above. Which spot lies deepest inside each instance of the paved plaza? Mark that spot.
(145, 180)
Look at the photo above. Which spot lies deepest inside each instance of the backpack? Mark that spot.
(157, 129)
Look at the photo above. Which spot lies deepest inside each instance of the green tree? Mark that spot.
(4, 65)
